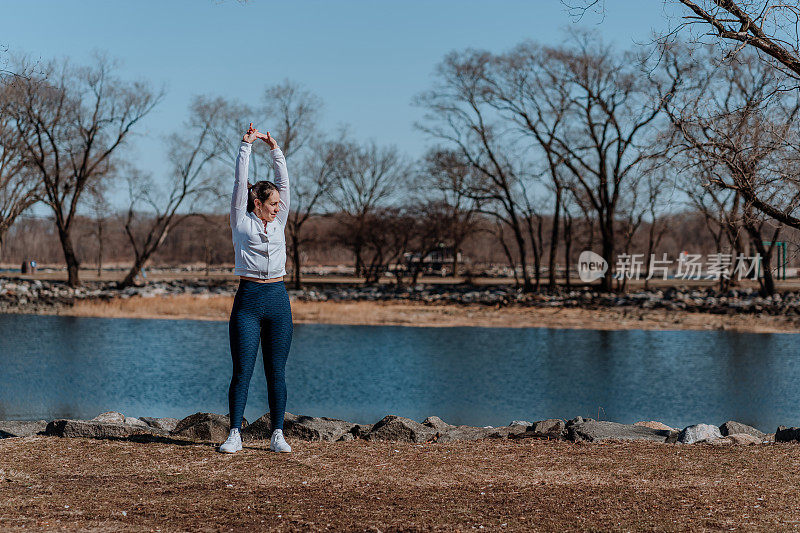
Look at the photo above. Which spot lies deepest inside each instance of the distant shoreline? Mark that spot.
(404, 313)
(668, 308)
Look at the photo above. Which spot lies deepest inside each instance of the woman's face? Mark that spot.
(268, 210)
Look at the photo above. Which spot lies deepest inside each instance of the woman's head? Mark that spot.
(263, 198)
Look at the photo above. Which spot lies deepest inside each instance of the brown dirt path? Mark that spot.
(445, 315)
(49, 483)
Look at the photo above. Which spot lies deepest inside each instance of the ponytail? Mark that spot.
(261, 190)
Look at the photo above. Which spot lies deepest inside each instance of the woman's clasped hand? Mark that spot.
(253, 134)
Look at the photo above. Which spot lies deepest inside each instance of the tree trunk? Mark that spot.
(526, 279)
(768, 283)
(527, 286)
(509, 255)
(650, 248)
(296, 259)
(73, 279)
(567, 248)
(415, 273)
(456, 248)
(359, 263)
(99, 250)
(537, 260)
(132, 273)
(554, 241)
(607, 237)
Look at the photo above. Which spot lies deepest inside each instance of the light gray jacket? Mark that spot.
(260, 248)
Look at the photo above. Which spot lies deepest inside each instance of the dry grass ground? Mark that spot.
(49, 483)
(420, 314)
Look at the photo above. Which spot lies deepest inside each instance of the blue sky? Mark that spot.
(365, 59)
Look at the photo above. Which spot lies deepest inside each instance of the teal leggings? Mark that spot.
(261, 312)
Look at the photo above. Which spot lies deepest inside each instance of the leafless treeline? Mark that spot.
(537, 153)
(36, 238)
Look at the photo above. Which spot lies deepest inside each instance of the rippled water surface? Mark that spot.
(78, 367)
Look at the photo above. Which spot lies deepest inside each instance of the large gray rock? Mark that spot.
(454, 433)
(732, 428)
(311, 428)
(98, 430)
(21, 428)
(133, 421)
(111, 417)
(699, 433)
(445, 432)
(204, 427)
(506, 432)
(167, 423)
(551, 429)
(745, 439)
(551, 426)
(784, 434)
(654, 424)
(599, 430)
(578, 420)
(436, 423)
(261, 429)
(316, 428)
(398, 428)
(360, 431)
(740, 439)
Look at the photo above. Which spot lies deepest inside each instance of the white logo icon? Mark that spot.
(591, 266)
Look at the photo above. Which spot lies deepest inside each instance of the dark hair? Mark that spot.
(261, 190)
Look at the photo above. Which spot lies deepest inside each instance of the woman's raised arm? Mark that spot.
(281, 177)
(239, 197)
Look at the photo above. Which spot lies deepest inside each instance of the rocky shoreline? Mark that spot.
(211, 427)
(36, 296)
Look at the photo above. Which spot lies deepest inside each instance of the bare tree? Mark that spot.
(4, 63)
(101, 212)
(289, 112)
(657, 184)
(364, 180)
(588, 110)
(770, 27)
(387, 235)
(444, 184)
(18, 185)
(458, 113)
(293, 112)
(529, 87)
(741, 135)
(720, 208)
(192, 152)
(592, 111)
(569, 223)
(72, 121)
(310, 190)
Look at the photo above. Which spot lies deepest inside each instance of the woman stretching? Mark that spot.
(261, 309)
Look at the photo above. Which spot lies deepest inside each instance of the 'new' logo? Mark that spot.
(591, 266)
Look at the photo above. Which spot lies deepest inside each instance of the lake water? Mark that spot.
(53, 367)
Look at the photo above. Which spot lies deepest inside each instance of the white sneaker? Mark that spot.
(278, 443)
(233, 444)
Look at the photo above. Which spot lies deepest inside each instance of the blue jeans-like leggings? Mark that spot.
(261, 311)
